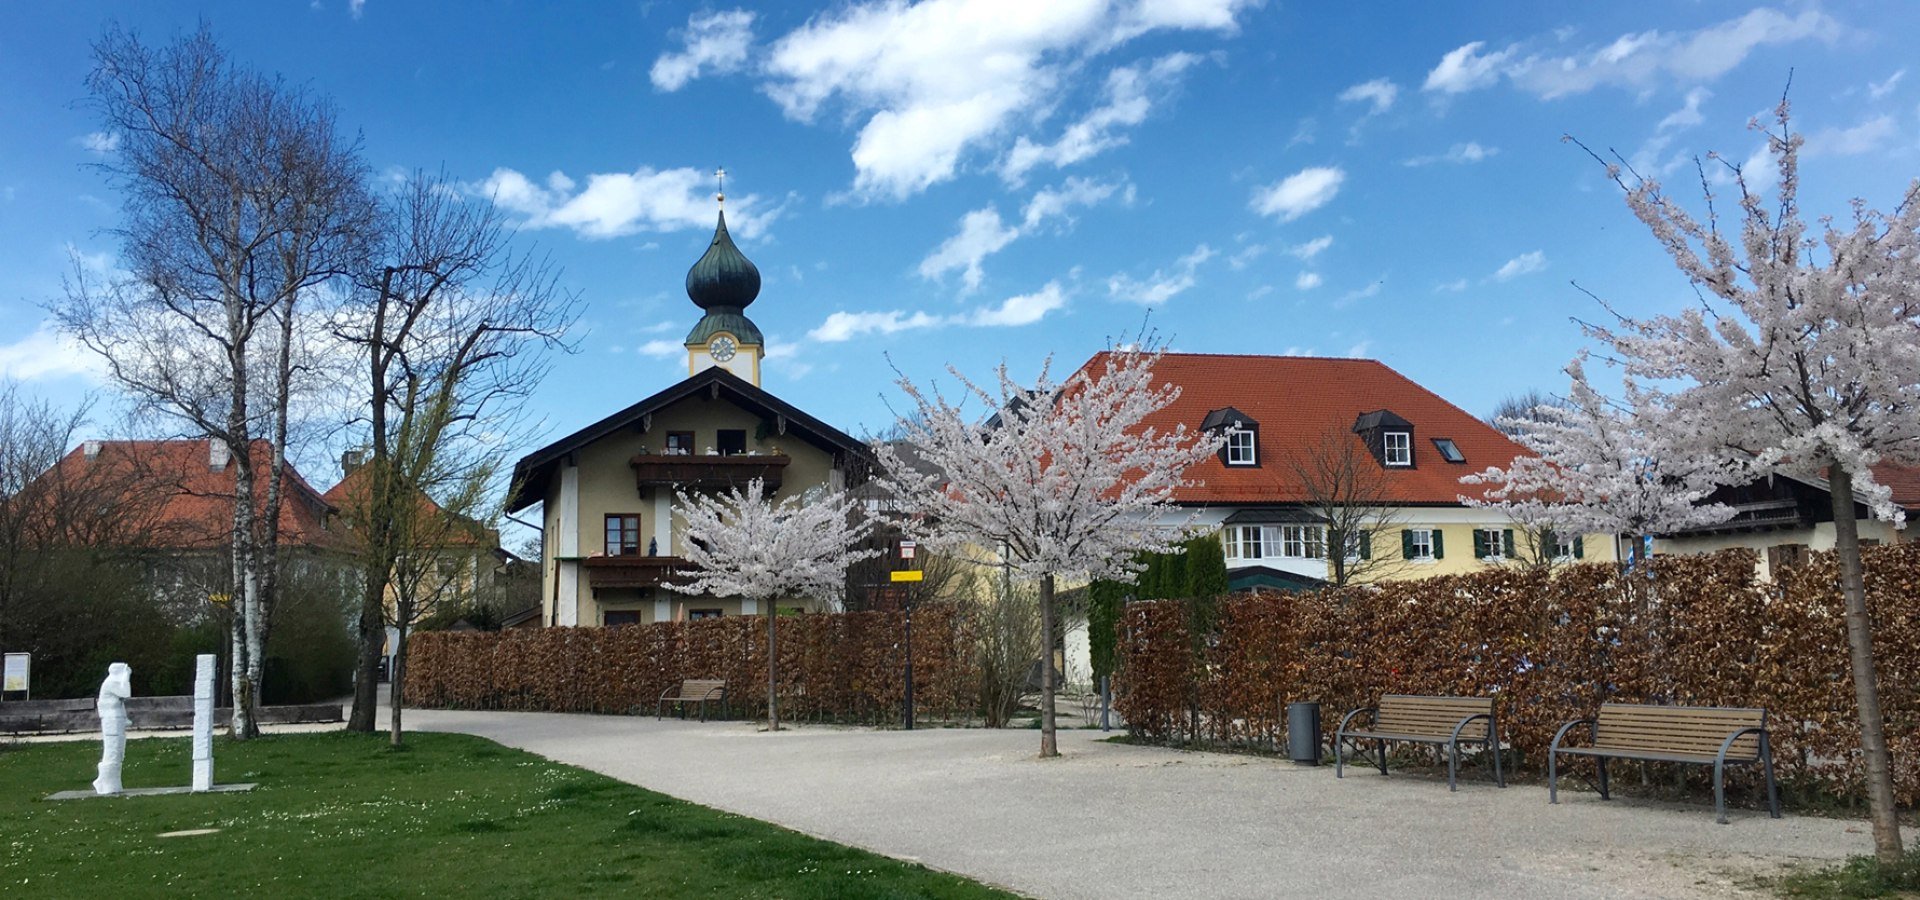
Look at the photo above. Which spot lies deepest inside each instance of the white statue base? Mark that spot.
(203, 722)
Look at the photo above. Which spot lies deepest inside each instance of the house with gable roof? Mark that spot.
(612, 537)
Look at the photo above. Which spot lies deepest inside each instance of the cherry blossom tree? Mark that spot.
(745, 544)
(1603, 466)
(1054, 480)
(1802, 357)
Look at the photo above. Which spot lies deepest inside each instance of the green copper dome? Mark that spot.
(728, 321)
(723, 279)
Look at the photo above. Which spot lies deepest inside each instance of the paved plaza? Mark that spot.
(1110, 820)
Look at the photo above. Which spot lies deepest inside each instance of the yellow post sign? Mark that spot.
(910, 575)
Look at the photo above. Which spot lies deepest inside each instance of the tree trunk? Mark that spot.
(773, 665)
(1866, 684)
(366, 675)
(1049, 740)
(396, 680)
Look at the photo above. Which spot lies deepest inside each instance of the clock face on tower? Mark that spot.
(722, 348)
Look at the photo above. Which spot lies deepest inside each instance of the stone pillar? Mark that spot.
(203, 676)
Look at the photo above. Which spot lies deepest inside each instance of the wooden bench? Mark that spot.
(1702, 735)
(693, 690)
(1443, 721)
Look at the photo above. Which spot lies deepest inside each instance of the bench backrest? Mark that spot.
(698, 689)
(1689, 730)
(1407, 714)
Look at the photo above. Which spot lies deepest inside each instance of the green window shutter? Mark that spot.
(1406, 544)
(1549, 543)
(1579, 547)
(1366, 545)
(1439, 550)
(1480, 550)
(1506, 543)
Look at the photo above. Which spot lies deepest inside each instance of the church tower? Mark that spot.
(723, 283)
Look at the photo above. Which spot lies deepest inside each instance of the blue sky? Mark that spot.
(964, 182)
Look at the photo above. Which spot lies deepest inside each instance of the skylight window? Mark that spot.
(1449, 451)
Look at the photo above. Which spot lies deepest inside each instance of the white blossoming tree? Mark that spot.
(1802, 357)
(743, 543)
(1602, 466)
(1055, 480)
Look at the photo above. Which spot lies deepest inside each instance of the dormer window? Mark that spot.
(1388, 437)
(1240, 436)
(1397, 448)
(1240, 448)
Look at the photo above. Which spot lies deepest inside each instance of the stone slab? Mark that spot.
(155, 792)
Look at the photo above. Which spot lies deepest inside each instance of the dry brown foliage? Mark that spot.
(843, 667)
(1699, 630)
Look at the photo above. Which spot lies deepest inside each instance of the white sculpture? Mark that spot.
(113, 726)
(203, 722)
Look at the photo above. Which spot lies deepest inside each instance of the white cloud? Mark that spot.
(1451, 287)
(1129, 97)
(1458, 154)
(1246, 255)
(356, 7)
(1524, 264)
(101, 143)
(1309, 250)
(1379, 92)
(981, 235)
(47, 353)
(844, 326)
(1635, 61)
(1359, 350)
(1465, 68)
(1866, 137)
(1023, 309)
(1689, 115)
(1162, 285)
(1361, 293)
(1300, 193)
(622, 203)
(1057, 202)
(1880, 89)
(1307, 281)
(661, 347)
(715, 42)
(939, 80)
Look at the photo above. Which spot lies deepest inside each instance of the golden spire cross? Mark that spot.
(721, 175)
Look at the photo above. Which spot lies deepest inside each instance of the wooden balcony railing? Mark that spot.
(632, 570)
(707, 472)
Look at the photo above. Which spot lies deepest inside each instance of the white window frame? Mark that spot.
(1496, 538)
(1422, 541)
(1563, 546)
(1246, 542)
(1242, 453)
(1400, 454)
(1303, 542)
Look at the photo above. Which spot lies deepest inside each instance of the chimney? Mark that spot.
(351, 460)
(217, 455)
(91, 449)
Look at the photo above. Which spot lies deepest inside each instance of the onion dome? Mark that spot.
(724, 280)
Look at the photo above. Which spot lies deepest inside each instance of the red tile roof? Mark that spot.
(1904, 480)
(1299, 400)
(351, 493)
(195, 503)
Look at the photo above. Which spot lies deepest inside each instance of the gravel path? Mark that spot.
(1110, 820)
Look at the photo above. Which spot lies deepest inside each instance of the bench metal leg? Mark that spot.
(1383, 757)
(1604, 793)
(1720, 791)
(1493, 744)
(1453, 766)
(1339, 754)
(1553, 777)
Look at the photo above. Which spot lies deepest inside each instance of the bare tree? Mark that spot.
(241, 203)
(1344, 487)
(1515, 412)
(453, 328)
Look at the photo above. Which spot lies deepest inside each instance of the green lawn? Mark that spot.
(340, 815)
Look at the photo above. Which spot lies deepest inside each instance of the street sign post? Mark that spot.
(907, 548)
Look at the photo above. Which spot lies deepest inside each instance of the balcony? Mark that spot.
(707, 472)
(632, 571)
